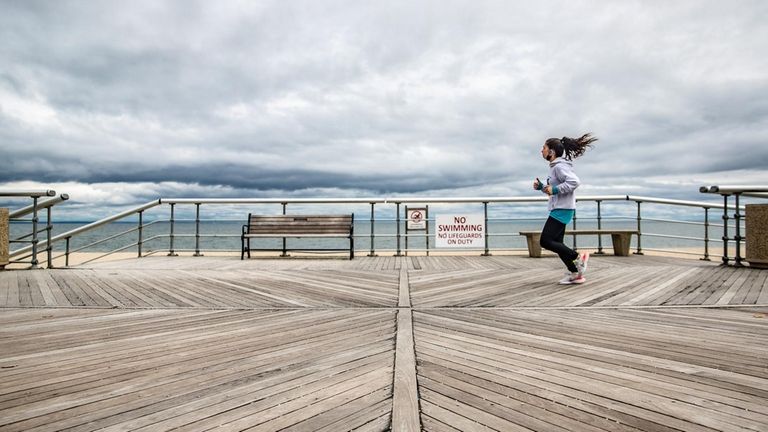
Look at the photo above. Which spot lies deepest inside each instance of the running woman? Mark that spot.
(560, 186)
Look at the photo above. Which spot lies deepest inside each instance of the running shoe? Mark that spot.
(581, 263)
(572, 278)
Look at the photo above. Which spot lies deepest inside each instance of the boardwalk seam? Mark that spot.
(406, 415)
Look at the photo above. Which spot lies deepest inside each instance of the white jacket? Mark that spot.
(564, 180)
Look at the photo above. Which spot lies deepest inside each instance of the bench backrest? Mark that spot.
(300, 224)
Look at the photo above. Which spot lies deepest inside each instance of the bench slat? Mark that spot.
(302, 218)
(320, 229)
(275, 232)
(300, 224)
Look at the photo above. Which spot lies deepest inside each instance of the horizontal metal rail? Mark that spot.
(701, 204)
(28, 193)
(673, 251)
(98, 242)
(734, 189)
(111, 252)
(672, 221)
(272, 200)
(674, 236)
(67, 253)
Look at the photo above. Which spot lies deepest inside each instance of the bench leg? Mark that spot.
(534, 245)
(351, 248)
(245, 248)
(621, 244)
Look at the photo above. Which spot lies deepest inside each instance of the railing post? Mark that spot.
(285, 246)
(599, 227)
(398, 230)
(66, 254)
(171, 251)
(34, 232)
(639, 232)
(141, 232)
(197, 230)
(738, 238)
(706, 234)
(373, 221)
(485, 213)
(426, 217)
(48, 246)
(406, 231)
(725, 230)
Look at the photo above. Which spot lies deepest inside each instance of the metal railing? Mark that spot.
(32, 238)
(737, 192)
(377, 215)
(67, 236)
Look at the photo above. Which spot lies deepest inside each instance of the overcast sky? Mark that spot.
(118, 103)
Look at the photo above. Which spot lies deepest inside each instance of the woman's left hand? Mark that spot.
(547, 189)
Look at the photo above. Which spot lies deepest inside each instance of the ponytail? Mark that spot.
(570, 147)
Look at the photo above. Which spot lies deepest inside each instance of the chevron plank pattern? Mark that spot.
(592, 370)
(195, 370)
(439, 343)
(203, 289)
(634, 285)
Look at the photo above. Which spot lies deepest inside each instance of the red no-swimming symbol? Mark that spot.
(416, 216)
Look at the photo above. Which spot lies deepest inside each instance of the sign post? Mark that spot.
(416, 220)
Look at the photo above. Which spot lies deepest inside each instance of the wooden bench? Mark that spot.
(621, 240)
(322, 226)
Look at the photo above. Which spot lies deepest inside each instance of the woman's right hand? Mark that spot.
(537, 184)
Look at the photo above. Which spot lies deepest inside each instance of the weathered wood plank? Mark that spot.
(405, 405)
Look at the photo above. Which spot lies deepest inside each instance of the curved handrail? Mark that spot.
(40, 206)
(92, 225)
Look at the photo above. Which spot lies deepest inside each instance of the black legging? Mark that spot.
(552, 239)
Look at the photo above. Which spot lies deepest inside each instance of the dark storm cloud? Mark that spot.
(393, 97)
(249, 177)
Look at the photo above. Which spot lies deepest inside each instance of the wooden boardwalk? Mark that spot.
(401, 343)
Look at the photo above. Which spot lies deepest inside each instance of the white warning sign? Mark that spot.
(460, 231)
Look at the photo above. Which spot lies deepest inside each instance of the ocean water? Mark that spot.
(225, 235)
